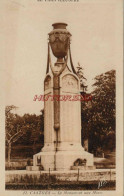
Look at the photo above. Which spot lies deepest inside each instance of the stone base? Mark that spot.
(61, 160)
(66, 159)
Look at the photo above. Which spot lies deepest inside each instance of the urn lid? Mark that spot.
(59, 25)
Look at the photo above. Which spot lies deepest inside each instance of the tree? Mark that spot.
(21, 131)
(102, 113)
(84, 108)
(81, 77)
(13, 128)
(98, 115)
(34, 130)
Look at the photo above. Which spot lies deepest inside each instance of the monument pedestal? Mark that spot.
(63, 147)
(62, 160)
(62, 114)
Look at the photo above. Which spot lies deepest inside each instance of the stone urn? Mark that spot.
(59, 39)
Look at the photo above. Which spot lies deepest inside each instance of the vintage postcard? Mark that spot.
(61, 97)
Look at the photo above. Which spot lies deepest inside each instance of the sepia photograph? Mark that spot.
(62, 125)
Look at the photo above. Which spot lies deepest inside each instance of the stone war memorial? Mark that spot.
(62, 119)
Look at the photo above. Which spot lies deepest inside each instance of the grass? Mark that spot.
(61, 185)
(52, 182)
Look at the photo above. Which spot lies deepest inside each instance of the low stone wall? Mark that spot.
(41, 176)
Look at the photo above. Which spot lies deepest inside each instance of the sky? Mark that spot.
(94, 44)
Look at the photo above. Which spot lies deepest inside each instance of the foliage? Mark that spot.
(98, 117)
(34, 129)
(13, 125)
(22, 130)
(13, 128)
(81, 77)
